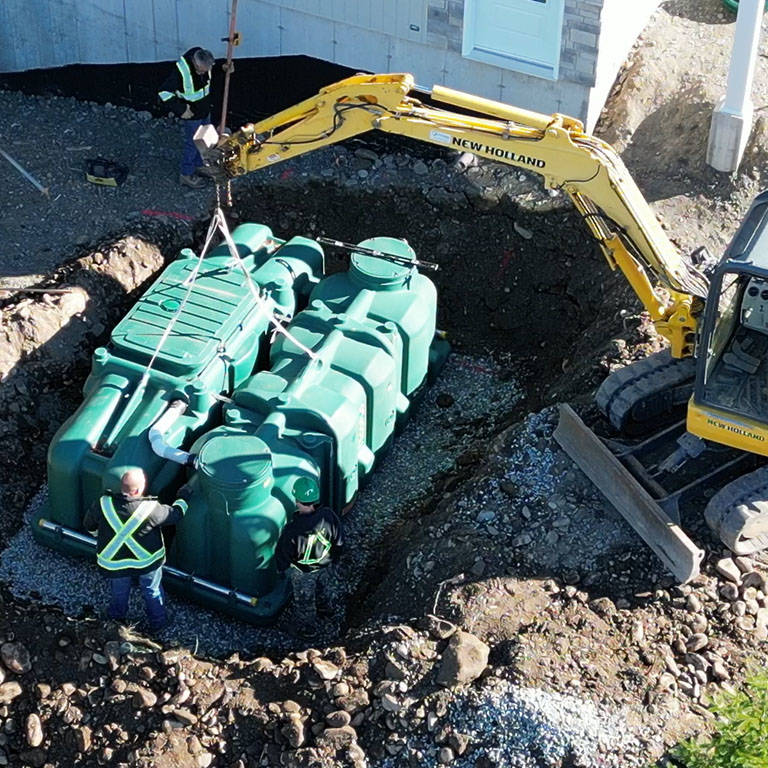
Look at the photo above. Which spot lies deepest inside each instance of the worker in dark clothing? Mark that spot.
(308, 545)
(186, 94)
(130, 544)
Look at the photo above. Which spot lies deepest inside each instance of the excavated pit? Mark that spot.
(520, 285)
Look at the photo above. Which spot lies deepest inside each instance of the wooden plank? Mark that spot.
(670, 543)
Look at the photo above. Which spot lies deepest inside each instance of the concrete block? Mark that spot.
(437, 14)
(456, 8)
(585, 26)
(586, 39)
(438, 27)
(437, 41)
(728, 135)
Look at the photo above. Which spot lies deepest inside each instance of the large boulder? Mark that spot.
(464, 660)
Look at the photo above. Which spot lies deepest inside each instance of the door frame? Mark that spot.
(471, 50)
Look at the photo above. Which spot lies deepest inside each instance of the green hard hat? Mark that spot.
(306, 490)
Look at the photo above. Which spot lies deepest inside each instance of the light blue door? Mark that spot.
(523, 35)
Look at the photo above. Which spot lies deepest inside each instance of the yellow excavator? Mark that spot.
(713, 314)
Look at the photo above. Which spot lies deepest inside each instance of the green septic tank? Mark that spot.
(327, 416)
(219, 335)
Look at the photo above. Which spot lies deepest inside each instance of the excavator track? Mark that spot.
(738, 513)
(648, 393)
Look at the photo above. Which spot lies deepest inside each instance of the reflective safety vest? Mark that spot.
(317, 549)
(124, 537)
(189, 93)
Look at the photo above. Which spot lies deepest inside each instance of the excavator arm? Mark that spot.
(554, 146)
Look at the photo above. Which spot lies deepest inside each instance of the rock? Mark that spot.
(34, 730)
(718, 671)
(666, 681)
(739, 608)
(603, 606)
(338, 719)
(756, 580)
(729, 592)
(727, 567)
(338, 738)
(699, 623)
(696, 642)
(439, 628)
(340, 689)
(9, 691)
(83, 737)
(464, 660)
(744, 564)
(295, 732)
(184, 715)
(395, 670)
(144, 698)
(354, 701)
(16, 658)
(693, 603)
(458, 742)
(390, 703)
(327, 670)
(526, 234)
(445, 755)
(43, 690)
(420, 168)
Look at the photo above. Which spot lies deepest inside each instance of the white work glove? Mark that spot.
(187, 113)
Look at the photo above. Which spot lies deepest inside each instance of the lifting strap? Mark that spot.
(219, 224)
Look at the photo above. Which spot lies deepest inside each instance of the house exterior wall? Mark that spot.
(419, 36)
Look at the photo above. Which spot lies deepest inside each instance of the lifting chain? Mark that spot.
(227, 195)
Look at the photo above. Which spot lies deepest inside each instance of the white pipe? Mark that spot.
(746, 39)
(158, 430)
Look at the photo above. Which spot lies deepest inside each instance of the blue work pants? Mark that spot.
(151, 587)
(190, 157)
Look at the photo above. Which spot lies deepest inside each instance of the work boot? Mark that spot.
(205, 171)
(193, 182)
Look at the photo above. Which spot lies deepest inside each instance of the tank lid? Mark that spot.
(236, 461)
(375, 271)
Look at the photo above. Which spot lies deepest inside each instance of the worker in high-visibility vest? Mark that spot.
(130, 544)
(308, 545)
(186, 93)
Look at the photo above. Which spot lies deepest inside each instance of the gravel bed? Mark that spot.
(427, 445)
(518, 727)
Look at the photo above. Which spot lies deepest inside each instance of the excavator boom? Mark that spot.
(554, 146)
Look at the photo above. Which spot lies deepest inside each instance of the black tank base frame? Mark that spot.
(260, 611)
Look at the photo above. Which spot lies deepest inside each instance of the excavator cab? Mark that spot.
(730, 403)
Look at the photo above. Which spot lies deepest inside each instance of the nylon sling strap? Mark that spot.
(189, 93)
(312, 539)
(123, 537)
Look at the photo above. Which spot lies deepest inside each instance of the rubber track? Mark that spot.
(737, 503)
(625, 388)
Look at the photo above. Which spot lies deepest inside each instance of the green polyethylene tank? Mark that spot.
(385, 291)
(233, 522)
